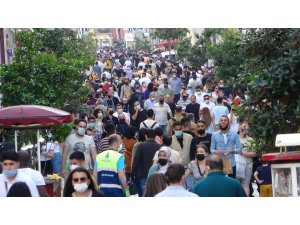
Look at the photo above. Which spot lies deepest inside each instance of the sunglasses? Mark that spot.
(8, 164)
(82, 179)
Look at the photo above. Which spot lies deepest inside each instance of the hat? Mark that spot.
(167, 150)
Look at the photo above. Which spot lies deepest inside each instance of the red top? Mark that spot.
(285, 156)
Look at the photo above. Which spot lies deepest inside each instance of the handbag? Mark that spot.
(227, 166)
(240, 166)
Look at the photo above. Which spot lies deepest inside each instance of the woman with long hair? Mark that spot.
(148, 91)
(129, 140)
(156, 183)
(80, 183)
(206, 116)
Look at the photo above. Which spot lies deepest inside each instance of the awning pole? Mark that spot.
(38, 150)
(16, 140)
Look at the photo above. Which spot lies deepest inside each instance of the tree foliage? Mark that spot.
(142, 44)
(46, 69)
(170, 33)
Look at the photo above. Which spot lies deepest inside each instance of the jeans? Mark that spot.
(56, 162)
(234, 172)
(140, 186)
(163, 127)
(189, 181)
(176, 98)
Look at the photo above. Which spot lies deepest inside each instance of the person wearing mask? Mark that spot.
(143, 160)
(207, 117)
(161, 110)
(193, 107)
(202, 138)
(181, 142)
(149, 122)
(133, 98)
(138, 115)
(197, 166)
(80, 183)
(178, 116)
(187, 126)
(125, 105)
(80, 142)
(109, 170)
(149, 103)
(47, 155)
(207, 103)
(194, 82)
(141, 139)
(76, 159)
(226, 91)
(200, 94)
(218, 111)
(125, 89)
(36, 176)
(226, 143)
(97, 70)
(110, 116)
(164, 154)
(226, 102)
(184, 101)
(176, 177)
(98, 114)
(169, 101)
(156, 183)
(119, 111)
(11, 175)
(111, 100)
(150, 87)
(167, 90)
(122, 125)
(175, 83)
(223, 186)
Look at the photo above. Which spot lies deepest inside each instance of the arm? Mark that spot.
(136, 160)
(134, 116)
(192, 150)
(93, 154)
(42, 191)
(95, 174)
(213, 145)
(65, 152)
(255, 175)
(122, 178)
(170, 112)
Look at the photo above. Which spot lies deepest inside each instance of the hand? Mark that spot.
(228, 152)
(220, 152)
(63, 174)
(260, 181)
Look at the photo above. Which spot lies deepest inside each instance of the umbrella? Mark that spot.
(32, 116)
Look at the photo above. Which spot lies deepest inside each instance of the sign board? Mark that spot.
(129, 37)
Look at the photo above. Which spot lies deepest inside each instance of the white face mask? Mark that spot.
(206, 101)
(81, 187)
(100, 115)
(119, 148)
(198, 92)
(73, 167)
(120, 111)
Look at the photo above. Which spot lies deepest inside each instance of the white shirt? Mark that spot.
(147, 80)
(200, 98)
(132, 83)
(50, 146)
(161, 113)
(194, 83)
(162, 87)
(35, 175)
(127, 117)
(127, 63)
(175, 191)
(149, 124)
(107, 75)
(142, 64)
(210, 105)
(21, 177)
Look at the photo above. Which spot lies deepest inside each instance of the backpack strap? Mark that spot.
(145, 125)
(153, 125)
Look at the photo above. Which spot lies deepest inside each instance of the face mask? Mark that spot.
(120, 111)
(138, 107)
(206, 101)
(155, 89)
(174, 76)
(184, 98)
(221, 85)
(152, 99)
(161, 101)
(162, 161)
(165, 87)
(201, 131)
(124, 100)
(198, 92)
(223, 128)
(111, 113)
(106, 82)
(92, 125)
(80, 187)
(81, 131)
(73, 167)
(136, 78)
(100, 115)
(119, 148)
(49, 135)
(200, 157)
(10, 173)
(178, 133)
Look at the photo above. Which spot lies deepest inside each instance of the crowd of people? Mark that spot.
(151, 126)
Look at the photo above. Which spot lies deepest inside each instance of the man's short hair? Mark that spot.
(91, 118)
(110, 128)
(214, 162)
(81, 120)
(150, 133)
(167, 140)
(150, 113)
(178, 109)
(113, 139)
(78, 155)
(219, 100)
(9, 155)
(177, 123)
(185, 121)
(175, 172)
(159, 131)
(202, 121)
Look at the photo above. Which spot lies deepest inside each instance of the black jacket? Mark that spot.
(143, 158)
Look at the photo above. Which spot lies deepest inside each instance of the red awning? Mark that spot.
(32, 116)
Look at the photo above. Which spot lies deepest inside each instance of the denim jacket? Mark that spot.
(233, 143)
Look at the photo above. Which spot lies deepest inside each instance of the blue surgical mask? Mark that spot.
(92, 125)
(10, 173)
(81, 131)
(178, 133)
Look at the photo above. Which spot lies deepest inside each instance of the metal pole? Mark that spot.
(16, 140)
(38, 150)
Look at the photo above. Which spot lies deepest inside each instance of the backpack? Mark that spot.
(137, 85)
(151, 126)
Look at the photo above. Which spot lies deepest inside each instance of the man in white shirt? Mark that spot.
(161, 111)
(208, 104)
(149, 103)
(11, 175)
(36, 176)
(176, 177)
(149, 122)
(194, 82)
(145, 79)
(119, 110)
(199, 95)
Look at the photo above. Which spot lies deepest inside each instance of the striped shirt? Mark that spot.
(103, 146)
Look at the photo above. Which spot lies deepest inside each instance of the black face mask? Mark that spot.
(224, 128)
(200, 157)
(201, 131)
(162, 161)
(155, 89)
(161, 101)
(184, 98)
(111, 113)
(122, 121)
